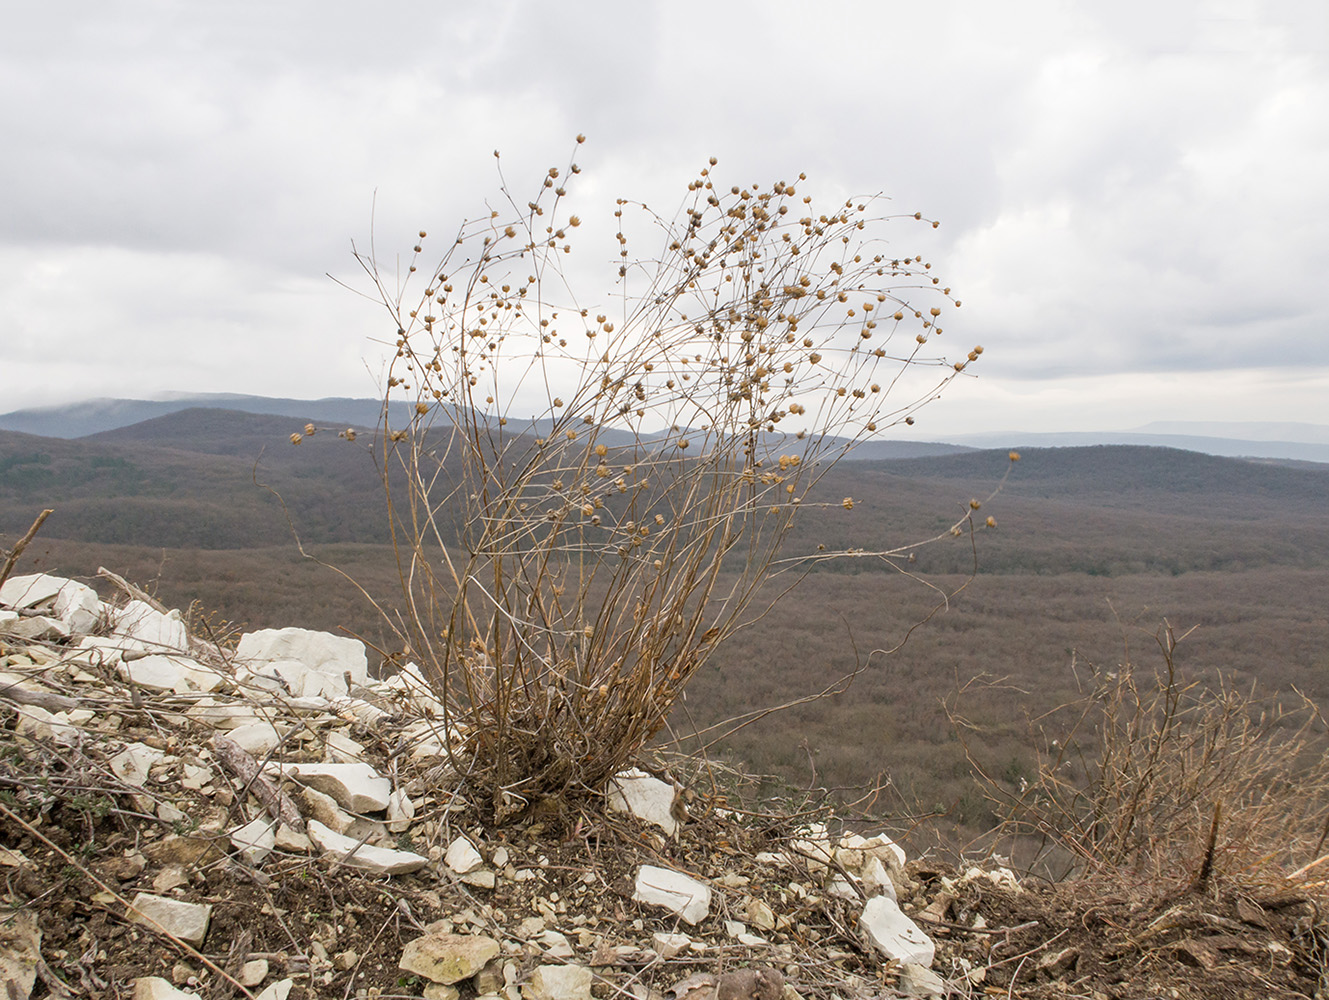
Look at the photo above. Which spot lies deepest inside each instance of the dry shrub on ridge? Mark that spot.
(573, 478)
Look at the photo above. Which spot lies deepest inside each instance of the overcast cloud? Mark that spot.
(1132, 195)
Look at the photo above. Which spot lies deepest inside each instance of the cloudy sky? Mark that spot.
(1132, 195)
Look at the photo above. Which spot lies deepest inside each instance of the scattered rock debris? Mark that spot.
(273, 823)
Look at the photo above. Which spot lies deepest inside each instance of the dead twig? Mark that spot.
(22, 544)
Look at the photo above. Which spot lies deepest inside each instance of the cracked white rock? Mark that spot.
(355, 854)
(357, 787)
(296, 654)
(132, 764)
(37, 722)
(142, 626)
(892, 933)
(646, 797)
(685, 896)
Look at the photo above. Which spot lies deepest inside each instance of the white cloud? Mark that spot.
(1129, 192)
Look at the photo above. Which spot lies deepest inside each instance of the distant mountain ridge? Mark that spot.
(1284, 441)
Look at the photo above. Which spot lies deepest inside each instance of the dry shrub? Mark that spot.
(1175, 784)
(586, 499)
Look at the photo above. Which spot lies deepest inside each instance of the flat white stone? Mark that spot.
(558, 982)
(556, 945)
(253, 973)
(357, 787)
(95, 650)
(41, 724)
(168, 813)
(646, 797)
(292, 840)
(279, 990)
(255, 840)
(410, 680)
(338, 748)
(462, 856)
(893, 934)
(156, 988)
(132, 764)
(688, 898)
(448, 958)
(75, 604)
(162, 672)
(363, 856)
(187, 921)
(258, 739)
(879, 845)
(330, 654)
(920, 981)
(669, 945)
(33, 629)
(31, 590)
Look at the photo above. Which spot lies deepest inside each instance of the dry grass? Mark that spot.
(561, 571)
(1170, 784)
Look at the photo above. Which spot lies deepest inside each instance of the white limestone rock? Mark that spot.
(38, 628)
(187, 921)
(410, 680)
(132, 764)
(462, 857)
(688, 898)
(669, 945)
(354, 854)
(558, 982)
(876, 879)
(309, 663)
(20, 952)
(338, 748)
(357, 787)
(401, 811)
(141, 626)
(255, 840)
(75, 604)
(41, 724)
(279, 990)
(920, 981)
(31, 591)
(258, 739)
(156, 988)
(287, 839)
(162, 672)
(448, 958)
(644, 796)
(78, 606)
(898, 938)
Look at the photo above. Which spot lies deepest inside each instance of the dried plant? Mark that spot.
(1165, 781)
(566, 572)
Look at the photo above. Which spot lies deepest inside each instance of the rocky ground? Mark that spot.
(177, 819)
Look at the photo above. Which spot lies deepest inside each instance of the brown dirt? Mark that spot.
(340, 933)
